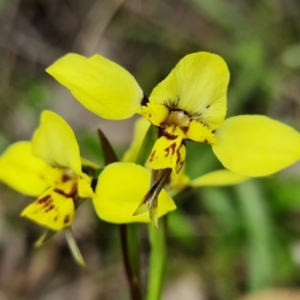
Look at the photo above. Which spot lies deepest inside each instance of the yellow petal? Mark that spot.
(256, 145)
(140, 130)
(21, 170)
(197, 85)
(181, 154)
(165, 152)
(102, 86)
(218, 178)
(198, 132)
(120, 188)
(54, 141)
(154, 113)
(84, 186)
(52, 210)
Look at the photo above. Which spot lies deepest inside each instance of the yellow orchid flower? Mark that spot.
(189, 104)
(181, 181)
(48, 167)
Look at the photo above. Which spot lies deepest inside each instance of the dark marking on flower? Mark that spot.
(208, 106)
(73, 191)
(145, 100)
(169, 136)
(67, 219)
(56, 218)
(172, 104)
(70, 194)
(150, 115)
(61, 192)
(152, 156)
(44, 199)
(50, 208)
(180, 160)
(65, 178)
(213, 131)
(184, 129)
(162, 124)
(205, 141)
(204, 124)
(171, 148)
(161, 130)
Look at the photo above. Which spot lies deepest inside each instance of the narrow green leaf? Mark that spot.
(260, 241)
(108, 151)
(147, 145)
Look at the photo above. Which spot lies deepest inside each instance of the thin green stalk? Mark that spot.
(157, 260)
(128, 234)
(131, 255)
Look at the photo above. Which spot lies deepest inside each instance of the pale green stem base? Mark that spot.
(157, 260)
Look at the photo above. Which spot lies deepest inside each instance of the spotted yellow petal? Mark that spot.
(140, 130)
(102, 86)
(165, 152)
(181, 154)
(21, 170)
(256, 145)
(198, 132)
(120, 188)
(218, 178)
(52, 210)
(197, 85)
(54, 141)
(154, 113)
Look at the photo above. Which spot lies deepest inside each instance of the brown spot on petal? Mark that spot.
(180, 160)
(49, 208)
(45, 200)
(65, 178)
(169, 136)
(67, 219)
(171, 148)
(46, 203)
(161, 125)
(70, 194)
(152, 156)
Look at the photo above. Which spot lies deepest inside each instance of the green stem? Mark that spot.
(131, 256)
(157, 260)
(128, 234)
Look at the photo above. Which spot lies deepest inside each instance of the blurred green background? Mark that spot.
(223, 242)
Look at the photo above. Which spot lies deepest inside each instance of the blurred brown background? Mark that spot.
(223, 243)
